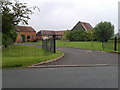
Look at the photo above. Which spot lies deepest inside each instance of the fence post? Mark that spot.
(103, 41)
(54, 50)
(115, 44)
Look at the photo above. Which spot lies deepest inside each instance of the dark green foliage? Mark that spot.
(6, 40)
(23, 37)
(9, 38)
(104, 31)
(77, 35)
(66, 35)
(90, 35)
(13, 35)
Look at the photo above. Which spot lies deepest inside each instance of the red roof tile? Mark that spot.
(86, 26)
(47, 32)
(24, 29)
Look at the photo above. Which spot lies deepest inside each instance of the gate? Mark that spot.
(49, 45)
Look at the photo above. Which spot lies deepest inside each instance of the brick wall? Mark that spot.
(31, 34)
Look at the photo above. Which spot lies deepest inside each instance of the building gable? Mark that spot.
(82, 26)
(78, 26)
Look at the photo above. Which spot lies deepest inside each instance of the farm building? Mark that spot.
(82, 26)
(46, 33)
(28, 32)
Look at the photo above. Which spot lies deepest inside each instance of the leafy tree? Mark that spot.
(90, 35)
(104, 31)
(66, 35)
(13, 12)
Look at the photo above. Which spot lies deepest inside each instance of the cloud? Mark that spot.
(64, 14)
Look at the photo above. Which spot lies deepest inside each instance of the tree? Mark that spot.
(66, 35)
(104, 31)
(90, 35)
(13, 12)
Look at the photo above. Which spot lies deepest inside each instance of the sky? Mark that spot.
(64, 14)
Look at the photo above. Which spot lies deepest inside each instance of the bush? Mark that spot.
(66, 35)
(7, 40)
(77, 35)
(90, 35)
(104, 31)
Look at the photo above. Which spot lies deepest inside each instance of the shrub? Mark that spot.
(7, 40)
(104, 31)
(77, 35)
(66, 35)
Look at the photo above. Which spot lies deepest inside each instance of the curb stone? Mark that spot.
(46, 62)
(82, 65)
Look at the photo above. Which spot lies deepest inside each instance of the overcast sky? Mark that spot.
(64, 14)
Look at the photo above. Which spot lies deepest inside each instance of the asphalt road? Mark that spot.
(70, 77)
(76, 56)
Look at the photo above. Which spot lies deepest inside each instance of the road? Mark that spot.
(69, 77)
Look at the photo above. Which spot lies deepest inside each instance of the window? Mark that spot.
(28, 37)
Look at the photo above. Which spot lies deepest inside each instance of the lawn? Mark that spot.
(92, 45)
(22, 56)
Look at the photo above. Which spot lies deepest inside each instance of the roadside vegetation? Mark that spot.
(17, 56)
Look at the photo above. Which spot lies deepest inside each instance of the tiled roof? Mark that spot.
(24, 29)
(82, 26)
(86, 26)
(47, 32)
(59, 32)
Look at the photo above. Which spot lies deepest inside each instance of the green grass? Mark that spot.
(17, 56)
(92, 45)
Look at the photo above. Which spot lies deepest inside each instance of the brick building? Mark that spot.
(46, 33)
(27, 31)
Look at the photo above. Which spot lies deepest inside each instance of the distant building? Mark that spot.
(46, 33)
(29, 32)
(82, 26)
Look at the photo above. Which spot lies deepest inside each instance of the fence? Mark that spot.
(112, 44)
(49, 45)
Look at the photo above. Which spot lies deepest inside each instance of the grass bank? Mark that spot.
(17, 56)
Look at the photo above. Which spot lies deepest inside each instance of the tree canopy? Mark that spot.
(104, 31)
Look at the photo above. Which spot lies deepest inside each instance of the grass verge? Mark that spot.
(92, 45)
(17, 56)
